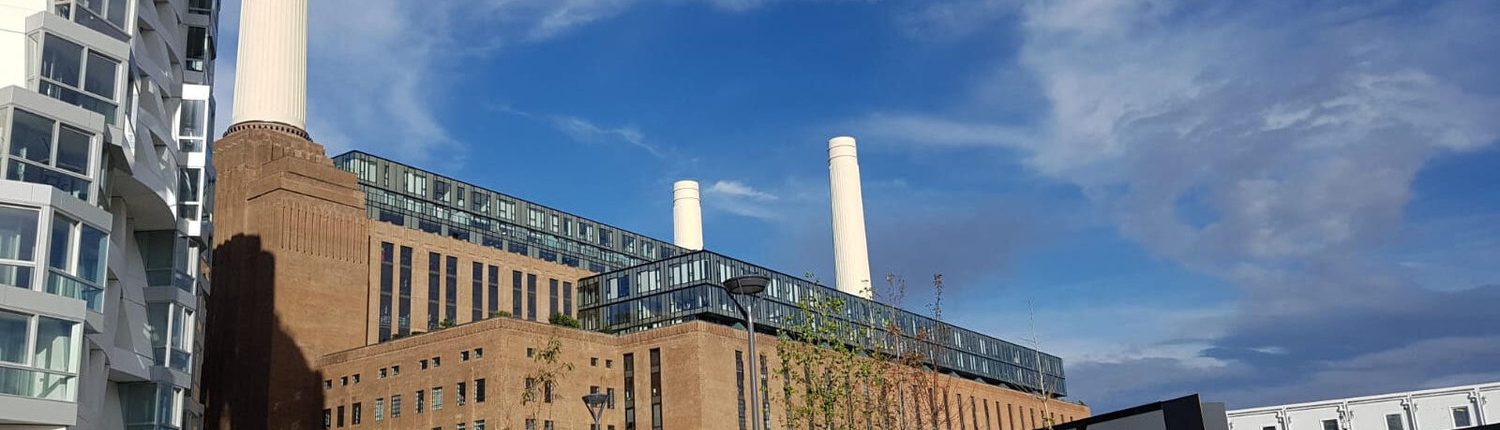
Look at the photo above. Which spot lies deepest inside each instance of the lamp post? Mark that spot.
(749, 285)
(595, 403)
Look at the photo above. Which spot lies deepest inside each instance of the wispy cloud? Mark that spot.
(586, 131)
(1298, 129)
(930, 131)
(737, 198)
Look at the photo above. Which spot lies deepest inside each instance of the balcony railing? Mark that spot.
(169, 277)
(174, 359)
(66, 285)
(36, 383)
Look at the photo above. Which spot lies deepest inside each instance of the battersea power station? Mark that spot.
(359, 292)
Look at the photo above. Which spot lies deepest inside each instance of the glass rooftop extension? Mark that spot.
(687, 288)
(409, 196)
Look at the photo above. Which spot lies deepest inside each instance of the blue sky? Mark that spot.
(1260, 201)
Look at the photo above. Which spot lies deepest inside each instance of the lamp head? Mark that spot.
(747, 285)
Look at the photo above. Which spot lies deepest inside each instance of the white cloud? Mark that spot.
(584, 131)
(921, 130)
(737, 198)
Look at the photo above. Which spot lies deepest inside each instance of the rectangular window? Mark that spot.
(479, 390)
(450, 294)
(386, 286)
(656, 418)
(629, 368)
(197, 48)
(494, 290)
(739, 385)
(1461, 417)
(421, 401)
(434, 289)
(1392, 422)
(437, 398)
(379, 409)
(765, 394)
(76, 261)
(459, 394)
(354, 414)
(516, 300)
(440, 191)
(476, 293)
(403, 321)
(339, 417)
(552, 296)
(79, 76)
(1330, 424)
(47, 152)
(531, 297)
(192, 123)
(18, 238)
(395, 406)
(567, 298)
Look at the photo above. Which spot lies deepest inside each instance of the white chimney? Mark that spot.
(270, 84)
(851, 256)
(687, 216)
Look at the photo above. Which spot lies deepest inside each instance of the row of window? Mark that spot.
(75, 254)
(421, 404)
(1461, 419)
(442, 292)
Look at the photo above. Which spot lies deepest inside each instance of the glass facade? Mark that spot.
(687, 287)
(404, 195)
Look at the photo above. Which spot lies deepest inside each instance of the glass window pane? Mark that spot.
(73, 150)
(116, 13)
(190, 124)
(17, 233)
(54, 344)
(91, 246)
(13, 337)
(61, 60)
(31, 137)
(62, 232)
(156, 322)
(100, 78)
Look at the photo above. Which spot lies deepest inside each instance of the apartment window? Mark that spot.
(534, 218)
(479, 390)
(79, 76)
(1330, 424)
(354, 414)
(48, 152)
(531, 297)
(547, 392)
(421, 401)
(340, 416)
(450, 297)
(480, 202)
(656, 418)
(379, 409)
(441, 191)
(192, 122)
(416, 184)
(478, 353)
(403, 322)
(567, 293)
(459, 394)
(437, 361)
(327, 419)
(1461, 417)
(460, 426)
(343, 381)
(609, 394)
(386, 269)
(765, 394)
(197, 48)
(18, 237)
(356, 378)
(530, 424)
(202, 7)
(547, 425)
(515, 296)
(395, 406)
(629, 368)
(478, 424)
(76, 261)
(1392, 422)
(422, 364)
(106, 16)
(382, 373)
(530, 352)
(609, 364)
(53, 358)
(507, 210)
(463, 356)
(437, 398)
(395, 370)
(552, 296)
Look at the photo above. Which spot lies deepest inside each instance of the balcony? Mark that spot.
(68, 286)
(170, 277)
(173, 358)
(37, 384)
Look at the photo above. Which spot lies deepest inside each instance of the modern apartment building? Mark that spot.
(1447, 408)
(105, 107)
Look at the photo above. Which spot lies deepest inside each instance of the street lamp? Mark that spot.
(595, 403)
(749, 285)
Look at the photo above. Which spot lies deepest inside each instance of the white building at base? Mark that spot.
(1436, 409)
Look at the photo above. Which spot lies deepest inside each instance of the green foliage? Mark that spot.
(446, 323)
(549, 369)
(505, 314)
(564, 320)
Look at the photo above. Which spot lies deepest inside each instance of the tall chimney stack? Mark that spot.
(851, 255)
(270, 85)
(687, 216)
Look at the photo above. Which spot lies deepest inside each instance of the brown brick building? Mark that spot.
(362, 293)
